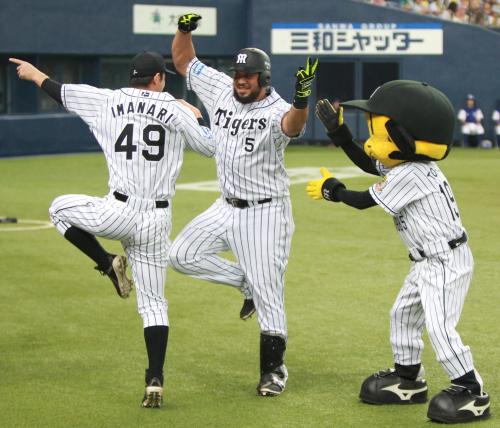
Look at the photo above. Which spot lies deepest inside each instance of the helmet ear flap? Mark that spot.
(402, 138)
(264, 79)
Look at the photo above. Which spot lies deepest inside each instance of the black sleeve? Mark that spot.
(359, 200)
(53, 89)
(342, 138)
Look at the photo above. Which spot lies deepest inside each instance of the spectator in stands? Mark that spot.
(475, 12)
(450, 13)
(470, 117)
(490, 18)
(479, 12)
(420, 6)
(496, 121)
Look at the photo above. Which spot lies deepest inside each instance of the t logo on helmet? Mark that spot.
(242, 59)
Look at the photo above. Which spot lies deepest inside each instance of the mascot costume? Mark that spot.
(411, 127)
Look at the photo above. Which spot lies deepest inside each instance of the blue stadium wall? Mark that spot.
(94, 28)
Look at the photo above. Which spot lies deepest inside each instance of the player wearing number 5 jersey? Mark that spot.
(411, 126)
(142, 132)
(252, 126)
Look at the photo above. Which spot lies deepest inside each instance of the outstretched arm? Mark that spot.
(182, 46)
(27, 71)
(294, 120)
(340, 135)
(333, 190)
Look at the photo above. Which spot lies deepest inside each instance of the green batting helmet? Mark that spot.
(425, 112)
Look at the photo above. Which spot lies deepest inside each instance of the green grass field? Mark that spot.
(72, 353)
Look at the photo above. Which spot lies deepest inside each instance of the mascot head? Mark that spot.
(408, 121)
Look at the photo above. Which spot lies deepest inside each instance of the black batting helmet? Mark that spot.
(253, 60)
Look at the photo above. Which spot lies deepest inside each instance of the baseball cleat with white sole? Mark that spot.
(247, 310)
(153, 396)
(458, 404)
(272, 384)
(387, 387)
(117, 273)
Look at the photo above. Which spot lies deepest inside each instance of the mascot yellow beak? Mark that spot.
(391, 145)
(379, 146)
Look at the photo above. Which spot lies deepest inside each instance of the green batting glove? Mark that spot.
(305, 78)
(188, 22)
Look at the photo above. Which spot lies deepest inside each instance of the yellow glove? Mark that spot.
(314, 187)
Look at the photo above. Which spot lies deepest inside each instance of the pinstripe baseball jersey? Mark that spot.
(251, 142)
(421, 202)
(142, 134)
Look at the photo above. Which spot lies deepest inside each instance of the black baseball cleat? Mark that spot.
(153, 395)
(273, 384)
(117, 273)
(458, 404)
(387, 387)
(247, 310)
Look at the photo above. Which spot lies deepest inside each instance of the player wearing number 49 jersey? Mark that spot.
(142, 132)
(411, 127)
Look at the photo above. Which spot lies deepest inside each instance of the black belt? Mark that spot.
(124, 198)
(454, 243)
(241, 203)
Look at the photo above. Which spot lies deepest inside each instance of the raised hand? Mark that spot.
(188, 22)
(305, 78)
(330, 117)
(325, 187)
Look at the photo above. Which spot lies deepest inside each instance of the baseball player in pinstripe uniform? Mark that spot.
(411, 125)
(252, 126)
(142, 132)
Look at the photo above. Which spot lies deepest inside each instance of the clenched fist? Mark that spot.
(188, 22)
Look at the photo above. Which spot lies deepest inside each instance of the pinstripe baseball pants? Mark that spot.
(433, 296)
(260, 238)
(143, 231)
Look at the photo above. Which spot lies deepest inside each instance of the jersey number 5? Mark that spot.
(125, 142)
(249, 144)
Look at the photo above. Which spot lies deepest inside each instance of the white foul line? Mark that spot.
(37, 225)
(297, 175)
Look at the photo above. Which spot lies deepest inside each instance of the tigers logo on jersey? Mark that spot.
(226, 120)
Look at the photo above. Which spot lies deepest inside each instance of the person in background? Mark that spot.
(496, 121)
(470, 117)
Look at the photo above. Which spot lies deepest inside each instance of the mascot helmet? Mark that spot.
(419, 120)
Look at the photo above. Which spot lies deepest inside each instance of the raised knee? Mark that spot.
(55, 206)
(53, 210)
(176, 257)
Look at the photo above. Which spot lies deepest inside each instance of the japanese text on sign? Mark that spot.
(357, 39)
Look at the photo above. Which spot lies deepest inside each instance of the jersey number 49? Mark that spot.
(152, 135)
